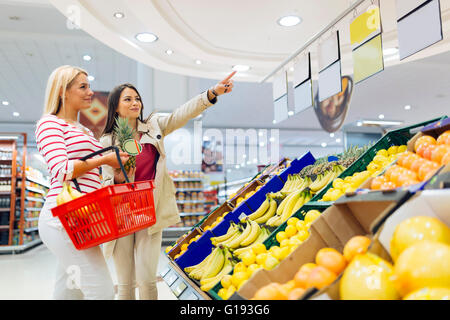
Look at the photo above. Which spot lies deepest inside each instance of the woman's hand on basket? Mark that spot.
(119, 177)
(111, 160)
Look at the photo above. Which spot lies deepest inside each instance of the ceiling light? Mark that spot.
(169, 52)
(290, 113)
(338, 140)
(5, 103)
(119, 15)
(240, 68)
(237, 166)
(255, 160)
(249, 162)
(291, 69)
(289, 21)
(408, 107)
(390, 51)
(331, 135)
(16, 114)
(324, 144)
(260, 133)
(205, 138)
(198, 61)
(272, 139)
(261, 144)
(381, 116)
(382, 123)
(87, 57)
(91, 78)
(274, 121)
(359, 123)
(146, 37)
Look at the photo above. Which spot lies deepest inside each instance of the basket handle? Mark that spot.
(116, 149)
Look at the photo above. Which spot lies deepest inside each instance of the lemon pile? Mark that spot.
(379, 163)
(185, 246)
(258, 257)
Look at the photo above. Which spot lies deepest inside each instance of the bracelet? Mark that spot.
(213, 92)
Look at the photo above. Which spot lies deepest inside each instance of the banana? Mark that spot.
(230, 232)
(197, 271)
(237, 241)
(286, 200)
(273, 221)
(269, 213)
(215, 264)
(64, 195)
(260, 211)
(254, 233)
(287, 212)
(74, 193)
(210, 283)
(300, 202)
(263, 235)
(228, 241)
(199, 265)
(323, 182)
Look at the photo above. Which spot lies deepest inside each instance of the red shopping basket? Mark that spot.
(108, 213)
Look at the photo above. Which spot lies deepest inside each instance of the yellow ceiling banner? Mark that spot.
(368, 59)
(365, 26)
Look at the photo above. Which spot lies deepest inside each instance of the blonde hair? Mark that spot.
(58, 82)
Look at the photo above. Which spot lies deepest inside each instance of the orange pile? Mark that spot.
(414, 167)
(329, 263)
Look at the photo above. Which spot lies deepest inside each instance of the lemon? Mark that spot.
(226, 281)
(284, 243)
(402, 148)
(284, 252)
(219, 219)
(393, 150)
(240, 267)
(222, 293)
(312, 215)
(270, 262)
(372, 167)
(231, 290)
(184, 247)
(206, 228)
(379, 159)
(252, 269)
(259, 248)
(248, 257)
(294, 241)
(281, 236)
(292, 221)
(337, 183)
(260, 258)
(383, 152)
(302, 235)
(337, 193)
(300, 225)
(290, 231)
(276, 252)
(168, 249)
(238, 278)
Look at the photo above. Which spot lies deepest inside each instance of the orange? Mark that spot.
(272, 291)
(424, 139)
(301, 277)
(391, 170)
(377, 182)
(439, 152)
(320, 277)
(445, 159)
(331, 259)
(428, 151)
(426, 170)
(416, 164)
(442, 139)
(354, 246)
(402, 157)
(388, 186)
(407, 182)
(296, 293)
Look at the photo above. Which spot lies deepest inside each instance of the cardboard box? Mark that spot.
(337, 224)
(224, 207)
(177, 248)
(243, 192)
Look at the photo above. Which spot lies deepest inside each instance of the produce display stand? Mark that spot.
(363, 212)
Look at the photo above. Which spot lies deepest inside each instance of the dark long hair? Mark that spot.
(113, 103)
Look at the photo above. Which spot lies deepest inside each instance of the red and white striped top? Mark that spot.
(61, 143)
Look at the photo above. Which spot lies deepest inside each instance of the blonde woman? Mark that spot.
(136, 256)
(62, 140)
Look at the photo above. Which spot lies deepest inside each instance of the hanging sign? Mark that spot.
(280, 96)
(330, 67)
(303, 94)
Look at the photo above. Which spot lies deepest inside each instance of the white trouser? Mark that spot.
(80, 274)
(136, 259)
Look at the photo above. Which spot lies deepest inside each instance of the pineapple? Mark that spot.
(125, 133)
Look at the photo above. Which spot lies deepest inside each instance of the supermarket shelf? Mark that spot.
(37, 190)
(171, 235)
(42, 183)
(35, 199)
(33, 209)
(177, 229)
(5, 193)
(5, 161)
(30, 229)
(4, 227)
(184, 214)
(190, 201)
(7, 177)
(19, 248)
(188, 189)
(32, 219)
(4, 209)
(187, 180)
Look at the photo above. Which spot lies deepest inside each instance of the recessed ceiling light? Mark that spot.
(359, 123)
(146, 37)
(255, 160)
(291, 69)
(169, 52)
(262, 144)
(338, 140)
(408, 107)
(274, 121)
(272, 139)
(381, 116)
(240, 68)
(290, 113)
(198, 61)
(331, 135)
(324, 144)
(16, 114)
(289, 21)
(91, 78)
(87, 57)
(237, 166)
(382, 122)
(5, 103)
(119, 15)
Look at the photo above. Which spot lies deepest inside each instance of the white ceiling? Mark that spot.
(221, 35)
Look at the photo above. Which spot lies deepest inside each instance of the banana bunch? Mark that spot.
(261, 238)
(325, 178)
(292, 183)
(67, 194)
(265, 211)
(289, 206)
(233, 232)
(211, 270)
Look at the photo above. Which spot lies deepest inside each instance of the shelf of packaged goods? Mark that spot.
(4, 209)
(5, 161)
(37, 190)
(190, 201)
(32, 219)
(7, 177)
(189, 189)
(35, 199)
(5, 193)
(4, 227)
(35, 180)
(187, 180)
(30, 229)
(32, 209)
(19, 248)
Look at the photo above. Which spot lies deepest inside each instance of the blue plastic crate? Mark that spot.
(273, 185)
(297, 165)
(197, 251)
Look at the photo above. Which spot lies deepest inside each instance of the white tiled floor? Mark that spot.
(30, 275)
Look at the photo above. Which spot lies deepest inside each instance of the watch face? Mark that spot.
(331, 112)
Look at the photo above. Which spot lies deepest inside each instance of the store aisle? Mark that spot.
(30, 276)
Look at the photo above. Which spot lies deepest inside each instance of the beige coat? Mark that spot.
(154, 131)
